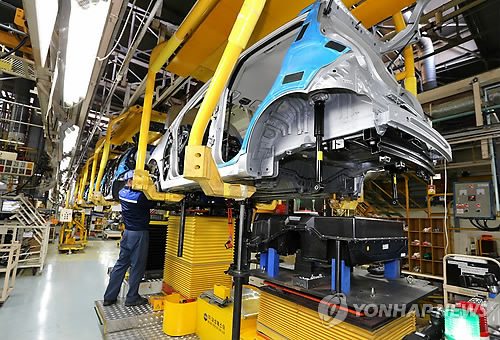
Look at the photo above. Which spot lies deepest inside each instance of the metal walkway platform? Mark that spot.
(146, 333)
(118, 322)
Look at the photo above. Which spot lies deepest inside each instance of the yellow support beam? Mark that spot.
(105, 151)
(159, 56)
(93, 174)
(199, 163)
(198, 13)
(409, 73)
(11, 41)
(350, 3)
(237, 41)
(84, 181)
(371, 12)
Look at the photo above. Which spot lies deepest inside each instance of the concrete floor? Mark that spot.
(58, 304)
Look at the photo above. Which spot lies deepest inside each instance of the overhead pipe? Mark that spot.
(464, 104)
(428, 70)
(428, 65)
(491, 141)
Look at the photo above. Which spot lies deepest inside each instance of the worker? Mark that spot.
(133, 246)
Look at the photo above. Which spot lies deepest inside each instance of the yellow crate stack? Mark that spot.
(276, 315)
(204, 257)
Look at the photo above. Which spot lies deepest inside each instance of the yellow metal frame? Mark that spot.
(199, 163)
(409, 73)
(97, 198)
(81, 201)
(159, 56)
(121, 129)
(371, 12)
(66, 239)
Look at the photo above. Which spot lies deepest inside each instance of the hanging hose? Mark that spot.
(15, 49)
(484, 226)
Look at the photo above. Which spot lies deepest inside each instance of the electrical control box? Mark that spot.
(473, 200)
(66, 215)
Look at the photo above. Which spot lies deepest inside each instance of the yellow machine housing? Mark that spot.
(178, 316)
(215, 323)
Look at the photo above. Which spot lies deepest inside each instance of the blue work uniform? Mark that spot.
(133, 245)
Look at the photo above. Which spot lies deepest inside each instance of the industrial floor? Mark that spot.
(58, 304)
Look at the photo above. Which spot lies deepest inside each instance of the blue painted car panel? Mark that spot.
(306, 56)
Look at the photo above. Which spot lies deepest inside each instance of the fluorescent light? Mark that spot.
(103, 118)
(70, 136)
(46, 14)
(85, 30)
(64, 163)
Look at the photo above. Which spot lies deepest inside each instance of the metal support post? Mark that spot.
(238, 277)
(337, 264)
(394, 189)
(494, 176)
(182, 227)
(319, 114)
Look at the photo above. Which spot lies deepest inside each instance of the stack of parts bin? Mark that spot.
(204, 258)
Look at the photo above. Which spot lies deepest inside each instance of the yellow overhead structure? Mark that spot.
(129, 125)
(105, 155)
(84, 181)
(200, 55)
(120, 129)
(371, 12)
(200, 21)
(206, 52)
(199, 163)
(97, 154)
(11, 41)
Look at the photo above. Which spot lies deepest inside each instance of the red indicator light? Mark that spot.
(478, 205)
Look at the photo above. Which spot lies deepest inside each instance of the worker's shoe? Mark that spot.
(109, 302)
(140, 301)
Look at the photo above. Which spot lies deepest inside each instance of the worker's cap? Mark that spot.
(128, 175)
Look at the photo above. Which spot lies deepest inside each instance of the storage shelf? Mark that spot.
(431, 267)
